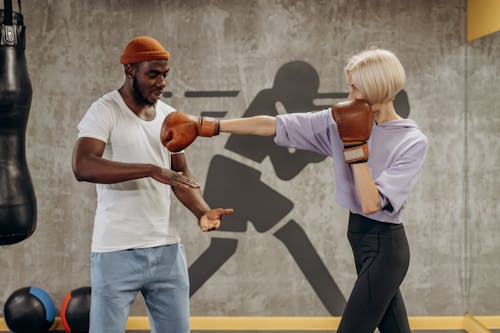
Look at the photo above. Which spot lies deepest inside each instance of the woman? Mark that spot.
(375, 169)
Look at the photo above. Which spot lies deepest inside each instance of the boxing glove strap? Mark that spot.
(356, 153)
(209, 126)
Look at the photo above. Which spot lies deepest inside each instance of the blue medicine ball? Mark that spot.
(29, 310)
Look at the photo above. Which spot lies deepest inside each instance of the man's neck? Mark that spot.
(141, 110)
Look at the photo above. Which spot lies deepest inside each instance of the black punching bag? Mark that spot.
(17, 197)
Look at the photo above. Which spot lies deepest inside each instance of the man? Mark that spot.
(133, 249)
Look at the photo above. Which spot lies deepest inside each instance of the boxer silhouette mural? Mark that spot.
(294, 90)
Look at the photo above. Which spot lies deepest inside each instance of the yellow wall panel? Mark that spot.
(483, 18)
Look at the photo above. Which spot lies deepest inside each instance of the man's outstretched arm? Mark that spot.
(192, 198)
(88, 165)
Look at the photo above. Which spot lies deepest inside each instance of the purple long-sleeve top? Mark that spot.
(397, 152)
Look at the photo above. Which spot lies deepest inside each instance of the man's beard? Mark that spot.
(138, 96)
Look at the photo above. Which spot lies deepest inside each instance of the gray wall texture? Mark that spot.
(73, 50)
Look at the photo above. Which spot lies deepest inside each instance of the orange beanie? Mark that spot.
(143, 48)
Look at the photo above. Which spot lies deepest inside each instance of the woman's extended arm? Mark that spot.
(258, 125)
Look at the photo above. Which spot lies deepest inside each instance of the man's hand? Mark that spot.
(173, 178)
(212, 219)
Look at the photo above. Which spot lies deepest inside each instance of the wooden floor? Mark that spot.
(425, 324)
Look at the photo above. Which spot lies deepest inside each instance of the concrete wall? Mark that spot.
(73, 49)
(482, 189)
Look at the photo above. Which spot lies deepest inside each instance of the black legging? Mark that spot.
(382, 256)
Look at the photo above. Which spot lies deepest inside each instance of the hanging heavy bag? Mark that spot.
(17, 197)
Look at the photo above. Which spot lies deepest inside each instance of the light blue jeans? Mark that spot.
(159, 273)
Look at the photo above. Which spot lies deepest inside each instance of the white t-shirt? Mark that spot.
(134, 213)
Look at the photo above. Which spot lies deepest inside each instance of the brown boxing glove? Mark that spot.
(354, 120)
(179, 130)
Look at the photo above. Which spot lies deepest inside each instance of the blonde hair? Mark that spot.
(377, 73)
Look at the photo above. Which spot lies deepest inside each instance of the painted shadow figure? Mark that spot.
(294, 90)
